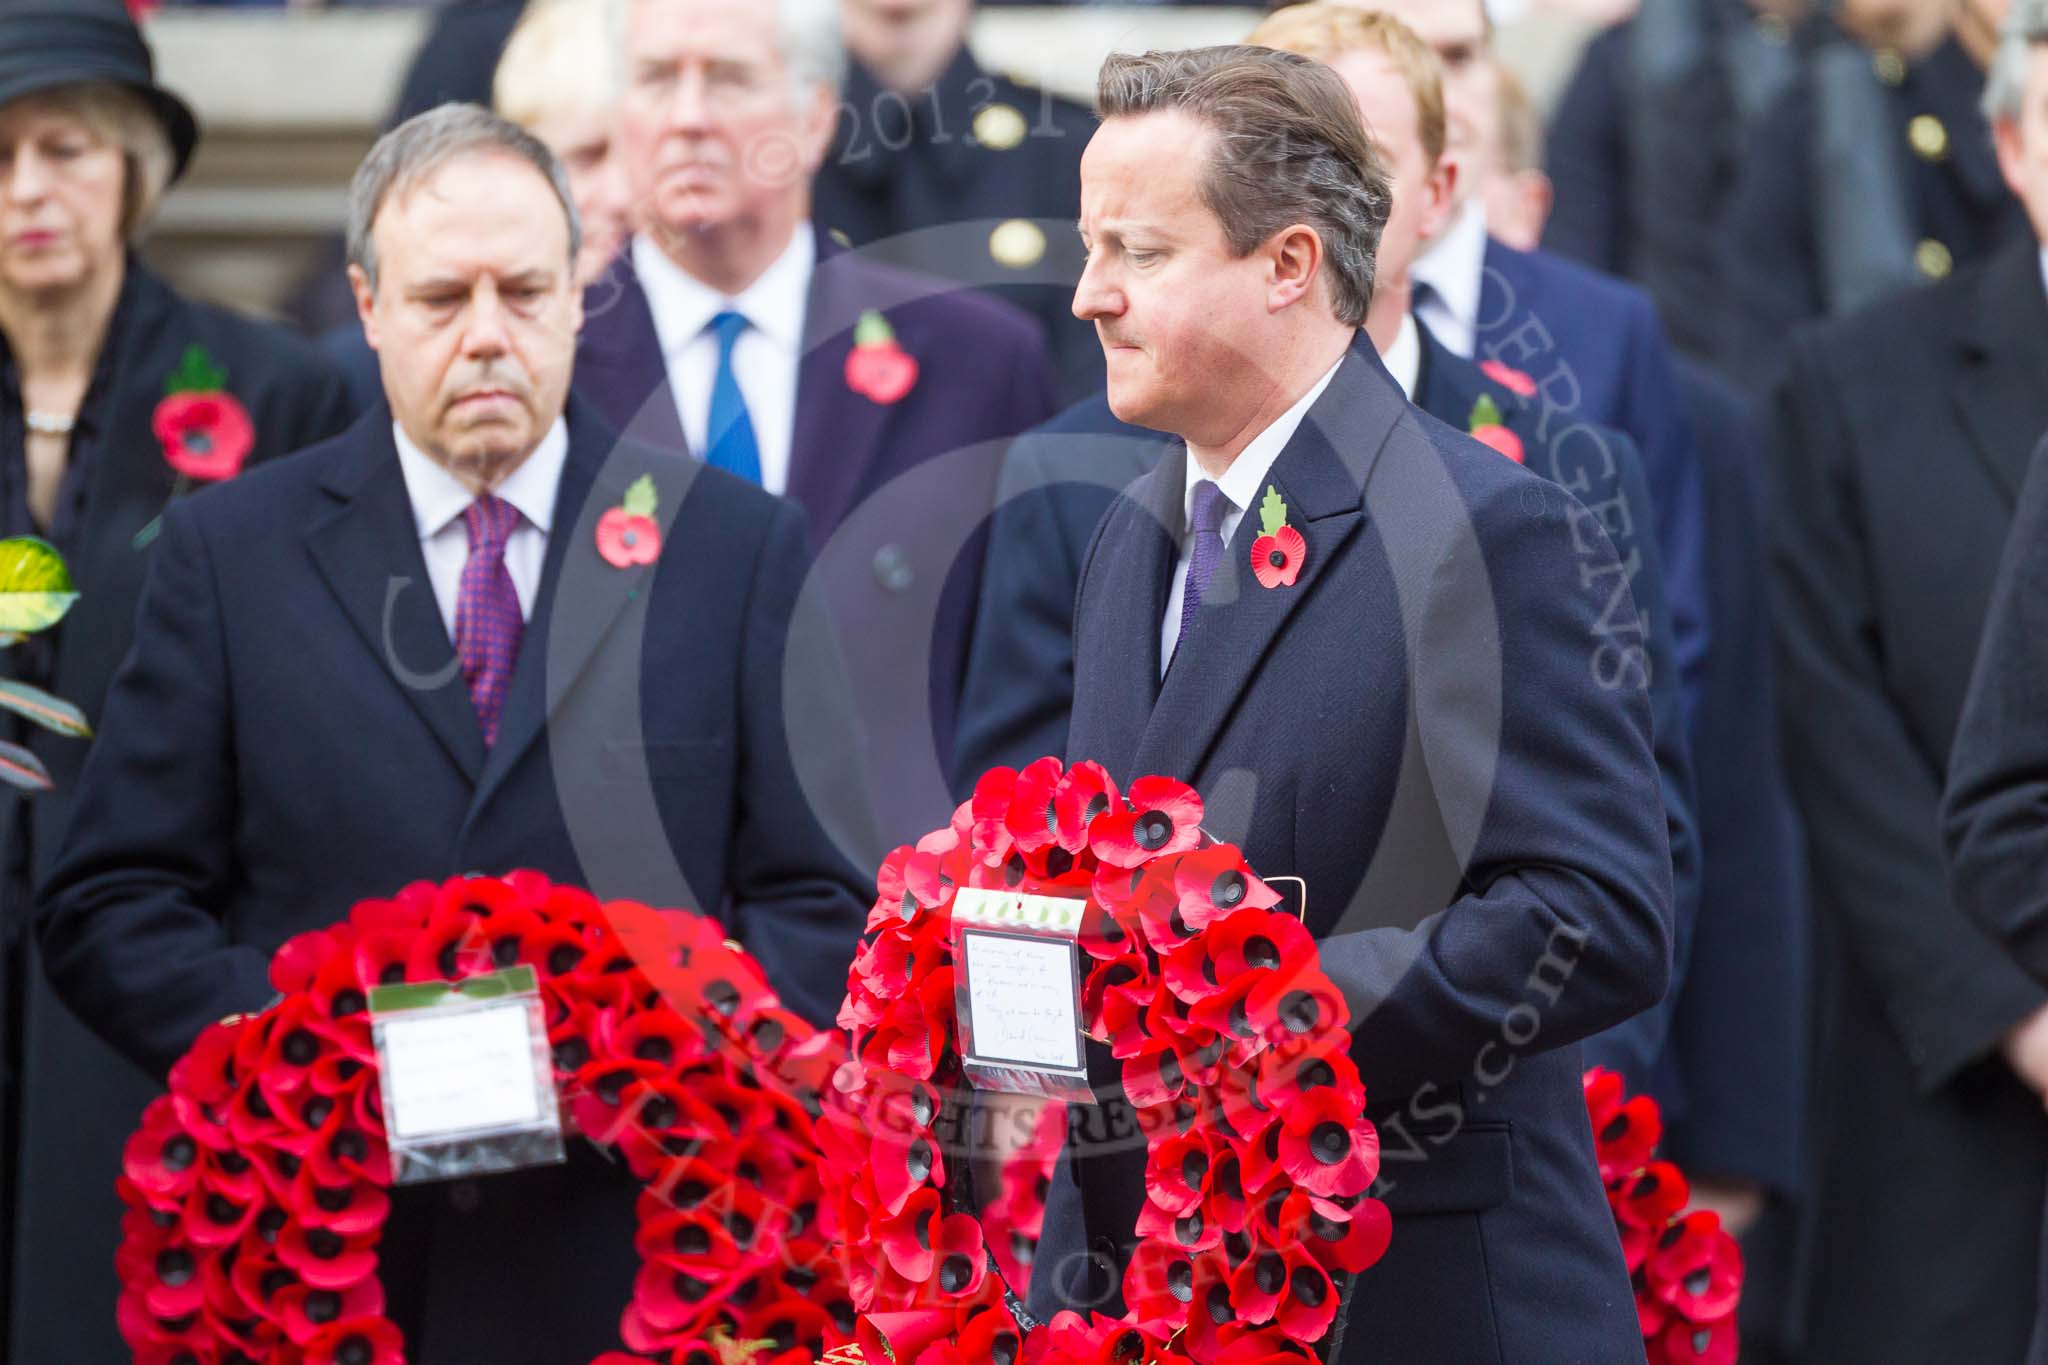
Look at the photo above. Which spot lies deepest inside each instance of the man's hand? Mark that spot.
(2026, 1051)
(1739, 1202)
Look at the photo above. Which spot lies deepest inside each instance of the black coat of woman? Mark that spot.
(76, 88)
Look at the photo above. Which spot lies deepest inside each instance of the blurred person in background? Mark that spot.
(1649, 134)
(1509, 163)
(1872, 172)
(928, 138)
(738, 331)
(93, 445)
(1900, 440)
(559, 80)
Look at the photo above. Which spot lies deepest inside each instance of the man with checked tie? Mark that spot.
(414, 651)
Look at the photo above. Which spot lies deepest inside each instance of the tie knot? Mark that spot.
(728, 325)
(491, 521)
(1210, 507)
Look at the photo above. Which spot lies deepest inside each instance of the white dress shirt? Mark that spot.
(1403, 359)
(766, 359)
(1454, 268)
(439, 500)
(1244, 483)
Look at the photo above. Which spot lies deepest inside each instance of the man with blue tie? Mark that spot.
(875, 398)
(416, 651)
(1403, 716)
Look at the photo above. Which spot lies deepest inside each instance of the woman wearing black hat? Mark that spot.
(116, 395)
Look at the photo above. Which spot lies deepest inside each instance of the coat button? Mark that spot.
(892, 569)
(1928, 137)
(463, 1196)
(1933, 259)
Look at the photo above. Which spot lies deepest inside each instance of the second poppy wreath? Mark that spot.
(1232, 1048)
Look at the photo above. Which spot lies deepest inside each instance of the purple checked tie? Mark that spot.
(1207, 524)
(488, 625)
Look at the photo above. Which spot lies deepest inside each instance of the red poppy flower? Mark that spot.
(1085, 792)
(1159, 1285)
(294, 965)
(1164, 818)
(1697, 1268)
(1625, 1137)
(1508, 377)
(205, 436)
(991, 1337)
(1214, 883)
(1277, 559)
(1348, 1239)
(1501, 439)
(1294, 1001)
(162, 1157)
(1032, 818)
(307, 1312)
(1690, 1343)
(326, 1259)
(881, 372)
(1212, 1318)
(904, 1160)
(1326, 1148)
(906, 1237)
(1309, 1303)
(1177, 1170)
(1299, 1066)
(625, 540)
(357, 1341)
(1651, 1198)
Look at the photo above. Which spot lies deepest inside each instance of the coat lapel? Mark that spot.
(620, 368)
(581, 595)
(1117, 638)
(1323, 485)
(836, 442)
(369, 552)
(2002, 391)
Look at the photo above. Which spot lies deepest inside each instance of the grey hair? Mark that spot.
(1290, 148)
(2005, 88)
(122, 116)
(807, 38)
(424, 143)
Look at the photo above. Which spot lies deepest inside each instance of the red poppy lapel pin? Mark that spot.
(1515, 381)
(628, 534)
(205, 431)
(1278, 553)
(1487, 426)
(878, 368)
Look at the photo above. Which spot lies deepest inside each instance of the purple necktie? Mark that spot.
(1206, 522)
(488, 625)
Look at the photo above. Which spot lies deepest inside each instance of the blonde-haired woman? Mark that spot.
(116, 394)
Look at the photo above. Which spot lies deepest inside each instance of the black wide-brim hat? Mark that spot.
(46, 44)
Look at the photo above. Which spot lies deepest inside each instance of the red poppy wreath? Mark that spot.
(256, 1189)
(1236, 1058)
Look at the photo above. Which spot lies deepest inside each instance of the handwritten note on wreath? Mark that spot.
(1021, 1000)
(459, 1070)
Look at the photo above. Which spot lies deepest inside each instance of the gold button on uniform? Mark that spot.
(1891, 67)
(999, 126)
(1017, 243)
(1929, 138)
(1933, 259)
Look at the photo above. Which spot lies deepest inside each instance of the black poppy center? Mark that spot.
(349, 1146)
(572, 1054)
(333, 1199)
(275, 1282)
(1228, 889)
(660, 1113)
(563, 957)
(347, 1002)
(655, 1049)
(1220, 1310)
(354, 1351)
(1270, 1272)
(1300, 1011)
(1330, 1143)
(1616, 1129)
(180, 1152)
(1180, 1281)
(322, 1305)
(1193, 1168)
(1097, 804)
(1277, 558)
(219, 1210)
(1697, 1282)
(768, 1034)
(175, 1266)
(1261, 952)
(1314, 1074)
(690, 1194)
(1153, 830)
(324, 1244)
(1003, 1350)
(317, 1111)
(956, 1272)
(1189, 1229)
(505, 952)
(692, 1240)
(918, 1160)
(922, 1230)
(1309, 1286)
(689, 1288)
(722, 996)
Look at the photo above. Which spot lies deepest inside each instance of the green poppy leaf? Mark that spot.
(35, 585)
(38, 706)
(20, 768)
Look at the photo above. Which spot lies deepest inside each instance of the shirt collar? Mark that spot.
(683, 305)
(438, 497)
(1403, 359)
(1247, 473)
(1455, 264)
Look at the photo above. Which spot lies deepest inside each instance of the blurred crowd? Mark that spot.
(1789, 253)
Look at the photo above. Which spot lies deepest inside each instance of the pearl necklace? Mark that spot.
(52, 423)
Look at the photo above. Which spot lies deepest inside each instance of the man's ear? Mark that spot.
(1440, 197)
(366, 302)
(1294, 260)
(2012, 156)
(820, 120)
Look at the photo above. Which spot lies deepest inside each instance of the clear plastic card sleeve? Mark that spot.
(1017, 992)
(466, 1076)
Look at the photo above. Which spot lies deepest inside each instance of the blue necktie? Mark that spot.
(1206, 524)
(729, 434)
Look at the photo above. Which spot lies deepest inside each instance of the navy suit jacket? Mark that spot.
(1594, 347)
(1356, 712)
(897, 494)
(291, 734)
